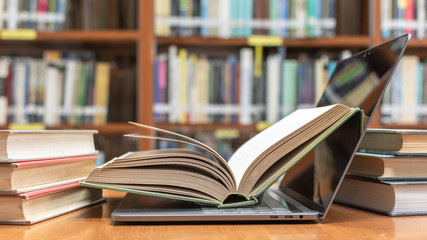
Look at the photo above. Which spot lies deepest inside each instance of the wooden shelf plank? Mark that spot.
(336, 42)
(417, 43)
(111, 35)
(413, 42)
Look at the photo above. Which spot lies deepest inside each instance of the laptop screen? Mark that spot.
(358, 81)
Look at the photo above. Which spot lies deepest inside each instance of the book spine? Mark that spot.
(421, 18)
(4, 72)
(175, 12)
(386, 18)
(196, 17)
(183, 85)
(246, 70)
(273, 86)
(409, 16)
(224, 19)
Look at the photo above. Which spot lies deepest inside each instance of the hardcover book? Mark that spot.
(211, 180)
(31, 207)
(388, 167)
(24, 145)
(392, 198)
(22, 176)
(395, 141)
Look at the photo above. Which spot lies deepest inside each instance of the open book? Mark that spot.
(208, 178)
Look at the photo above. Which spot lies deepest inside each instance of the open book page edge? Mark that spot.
(112, 160)
(153, 194)
(191, 140)
(167, 139)
(194, 141)
(275, 177)
(288, 126)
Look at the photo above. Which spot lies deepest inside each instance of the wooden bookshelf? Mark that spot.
(142, 43)
(336, 42)
(97, 36)
(145, 58)
(138, 42)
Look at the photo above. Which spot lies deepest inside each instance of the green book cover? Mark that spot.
(81, 92)
(289, 91)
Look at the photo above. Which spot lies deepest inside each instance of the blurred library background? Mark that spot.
(216, 70)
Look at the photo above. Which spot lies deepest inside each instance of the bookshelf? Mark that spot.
(87, 36)
(370, 35)
(144, 45)
(336, 42)
(134, 44)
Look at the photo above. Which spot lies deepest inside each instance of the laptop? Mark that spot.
(307, 190)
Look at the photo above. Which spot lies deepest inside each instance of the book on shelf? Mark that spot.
(4, 72)
(24, 145)
(398, 17)
(392, 198)
(406, 98)
(388, 167)
(395, 141)
(225, 89)
(40, 15)
(60, 88)
(210, 179)
(27, 208)
(56, 15)
(23, 176)
(243, 18)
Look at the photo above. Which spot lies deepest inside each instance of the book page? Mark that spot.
(250, 150)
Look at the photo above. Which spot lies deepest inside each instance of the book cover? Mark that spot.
(388, 167)
(35, 207)
(20, 145)
(393, 198)
(395, 141)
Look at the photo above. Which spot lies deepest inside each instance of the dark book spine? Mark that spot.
(175, 6)
(196, 15)
(261, 13)
(89, 111)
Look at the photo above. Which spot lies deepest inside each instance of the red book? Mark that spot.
(409, 15)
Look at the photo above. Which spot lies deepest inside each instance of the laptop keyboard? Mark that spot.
(269, 205)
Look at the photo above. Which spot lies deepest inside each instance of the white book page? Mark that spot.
(250, 150)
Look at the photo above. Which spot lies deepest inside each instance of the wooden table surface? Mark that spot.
(341, 223)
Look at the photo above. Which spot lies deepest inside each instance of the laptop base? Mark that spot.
(276, 206)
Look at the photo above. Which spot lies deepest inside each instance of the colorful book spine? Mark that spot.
(243, 18)
(183, 85)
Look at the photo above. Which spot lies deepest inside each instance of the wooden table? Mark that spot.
(341, 223)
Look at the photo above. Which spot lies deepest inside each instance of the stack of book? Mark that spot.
(389, 173)
(40, 173)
